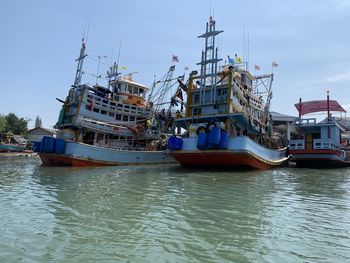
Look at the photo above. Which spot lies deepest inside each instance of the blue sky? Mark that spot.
(40, 40)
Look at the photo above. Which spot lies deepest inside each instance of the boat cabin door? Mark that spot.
(308, 141)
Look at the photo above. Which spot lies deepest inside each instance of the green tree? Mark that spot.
(16, 125)
(2, 123)
(38, 123)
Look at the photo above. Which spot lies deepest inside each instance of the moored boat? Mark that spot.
(320, 144)
(227, 115)
(101, 125)
(4, 147)
(12, 143)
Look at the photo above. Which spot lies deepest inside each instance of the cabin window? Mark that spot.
(87, 107)
(96, 110)
(119, 87)
(115, 137)
(127, 107)
(125, 118)
(112, 104)
(136, 90)
(196, 98)
(103, 112)
(196, 111)
(97, 99)
(111, 114)
(122, 138)
(118, 117)
(105, 101)
(132, 118)
(120, 105)
(99, 137)
(130, 89)
(141, 92)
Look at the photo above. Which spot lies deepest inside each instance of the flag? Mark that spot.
(274, 64)
(257, 67)
(187, 68)
(123, 68)
(175, 58)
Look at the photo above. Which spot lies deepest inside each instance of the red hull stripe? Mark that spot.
(314, 152)
(226, 159)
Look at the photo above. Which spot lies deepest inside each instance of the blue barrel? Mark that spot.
(223, 140)
(175, 143)
(60, 146)
(42, 143)
(202, 141)
(49, 144)
(214, 137)
(36, 146)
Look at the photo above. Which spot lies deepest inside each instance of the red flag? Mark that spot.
(175, 58)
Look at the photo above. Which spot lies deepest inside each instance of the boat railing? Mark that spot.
(324, 144)
(297, 144)
(308, 121)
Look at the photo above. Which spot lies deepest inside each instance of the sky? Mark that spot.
(40, 40)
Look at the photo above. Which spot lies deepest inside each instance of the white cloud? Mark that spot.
(340, 77)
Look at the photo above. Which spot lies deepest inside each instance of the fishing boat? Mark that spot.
(100, 125)
(12, 143)
(227, 118)
(320, 144)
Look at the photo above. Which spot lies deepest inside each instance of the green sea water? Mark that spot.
(172, 214)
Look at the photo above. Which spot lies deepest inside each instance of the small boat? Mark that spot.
(4, 147)
(320, 144)
(12, 143)
(227, 119)
(101, 125)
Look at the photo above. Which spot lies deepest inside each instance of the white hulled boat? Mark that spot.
(227, 118)
(104, 126)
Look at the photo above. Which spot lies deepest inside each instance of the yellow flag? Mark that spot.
(123, 68)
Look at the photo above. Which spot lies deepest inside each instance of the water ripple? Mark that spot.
(172, 214)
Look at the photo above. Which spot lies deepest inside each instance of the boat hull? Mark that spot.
(328, 158)
(79, 154)
(241, 152)
(11, 148)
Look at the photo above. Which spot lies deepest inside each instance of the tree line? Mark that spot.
(14, 124)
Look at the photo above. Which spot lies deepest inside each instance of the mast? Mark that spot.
(112, 74)
(209, 63)
(80, 59)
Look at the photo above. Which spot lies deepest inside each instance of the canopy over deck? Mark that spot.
(318, 106)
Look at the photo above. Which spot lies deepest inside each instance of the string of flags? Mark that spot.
(274, 65)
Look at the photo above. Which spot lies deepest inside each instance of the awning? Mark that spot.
(318, 106)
